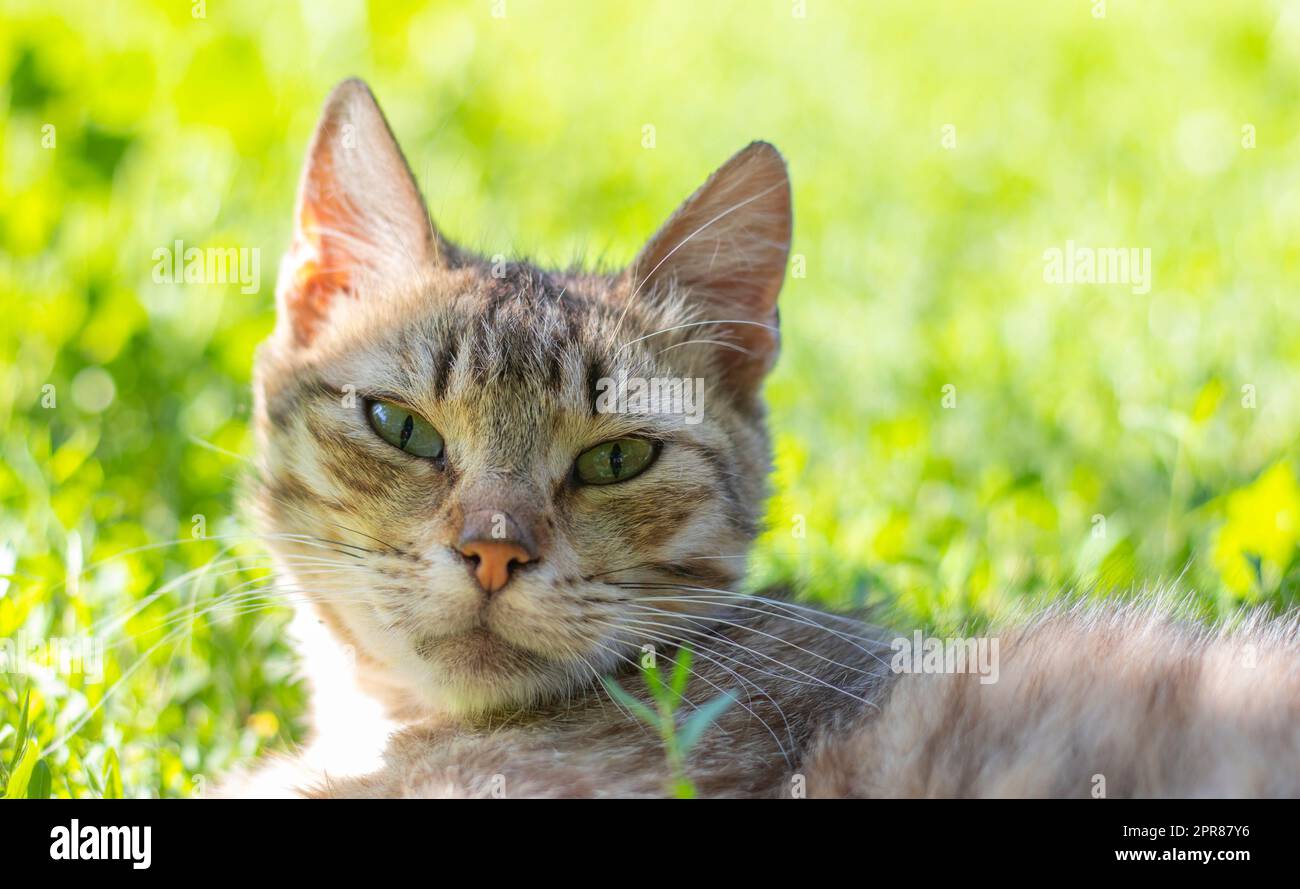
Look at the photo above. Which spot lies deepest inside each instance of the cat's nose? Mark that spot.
(494, 544)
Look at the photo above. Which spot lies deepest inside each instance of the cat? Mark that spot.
(483, 543)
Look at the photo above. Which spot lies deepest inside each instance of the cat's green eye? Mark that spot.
(615, 461)
(403, 429)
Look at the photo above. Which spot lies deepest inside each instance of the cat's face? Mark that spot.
(446, 470)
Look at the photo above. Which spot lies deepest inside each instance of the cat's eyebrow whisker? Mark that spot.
(683, 242)
(739, 321)
(703, 342)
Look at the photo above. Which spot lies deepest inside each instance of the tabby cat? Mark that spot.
(479, 541)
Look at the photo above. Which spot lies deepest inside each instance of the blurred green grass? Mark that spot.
(1099, 438)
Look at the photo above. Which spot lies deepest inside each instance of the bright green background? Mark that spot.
(924, 269)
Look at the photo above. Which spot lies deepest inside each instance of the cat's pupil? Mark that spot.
(407, 428)
(616, 460)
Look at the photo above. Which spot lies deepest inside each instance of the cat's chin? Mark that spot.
(478, 672)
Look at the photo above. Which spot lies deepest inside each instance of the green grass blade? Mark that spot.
(682, 670)
(621, 695)
(701, 719)
(112, 776)
(655, 684)
(21, 739)
(41, 782)
(94, 782)
(22, 772)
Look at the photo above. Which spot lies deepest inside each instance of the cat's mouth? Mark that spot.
(477, 653)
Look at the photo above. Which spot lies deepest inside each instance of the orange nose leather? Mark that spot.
(495, 557)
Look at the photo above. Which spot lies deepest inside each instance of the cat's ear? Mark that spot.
(359, 215)
(727, 245)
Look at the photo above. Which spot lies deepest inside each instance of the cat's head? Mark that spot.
(464, 464)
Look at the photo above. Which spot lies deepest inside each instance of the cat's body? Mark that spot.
(1094, 700)
(486, 538)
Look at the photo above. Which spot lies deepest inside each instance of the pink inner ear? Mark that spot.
(359, 218)
(318, 264)
(728, 244)
(310, 290)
